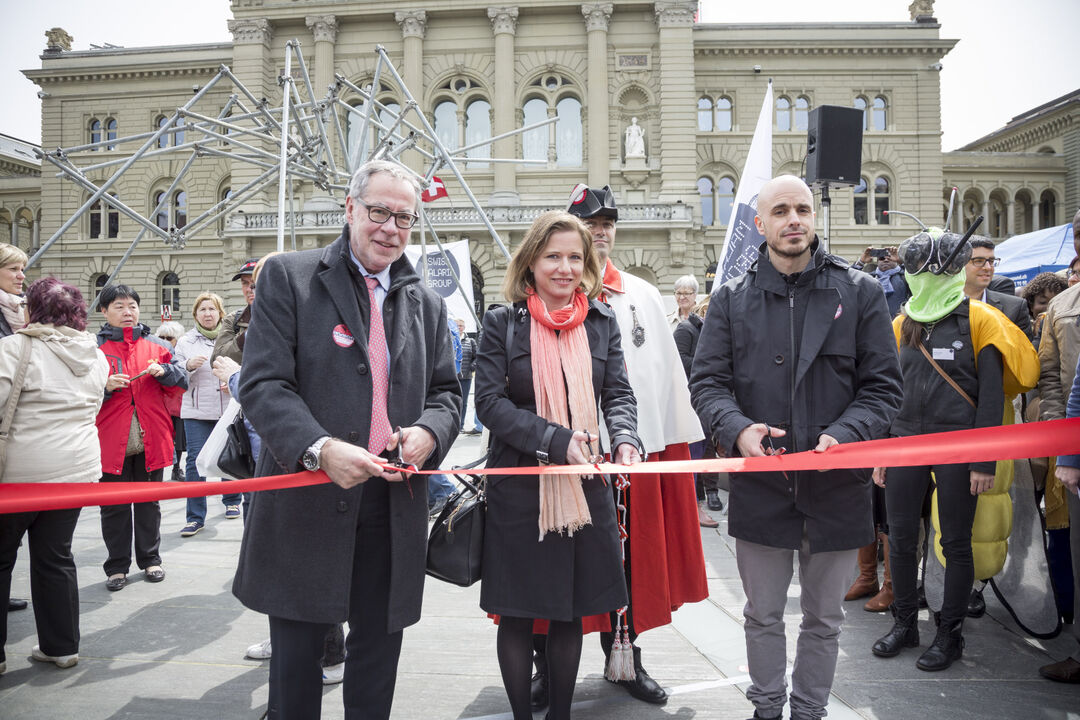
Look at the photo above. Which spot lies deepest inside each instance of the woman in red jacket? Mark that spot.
(135, 431)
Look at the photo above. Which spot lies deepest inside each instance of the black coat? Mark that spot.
(302, 380)
(844, 383)
(686, 335)
(1014, 308)
(561, 577)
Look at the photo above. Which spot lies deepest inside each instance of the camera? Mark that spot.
(879, 253)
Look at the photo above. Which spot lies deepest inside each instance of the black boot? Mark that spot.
(538, 694)
(713, 500)
(947, 648)
(177, 473)
(904, 634)
(976, 604)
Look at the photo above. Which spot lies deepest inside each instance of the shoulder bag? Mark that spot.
(456, 542)
(13, 401)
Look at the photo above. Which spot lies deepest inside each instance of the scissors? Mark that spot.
(394, 459)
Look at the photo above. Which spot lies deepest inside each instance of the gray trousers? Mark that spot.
(766, 575)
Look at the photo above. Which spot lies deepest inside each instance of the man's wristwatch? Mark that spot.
(310, 458)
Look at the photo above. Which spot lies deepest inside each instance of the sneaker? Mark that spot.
(333, 674)
(259, 651)
(192, 528)
(232, 512)
(61, 661)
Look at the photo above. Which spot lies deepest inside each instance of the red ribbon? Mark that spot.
(1005, 442)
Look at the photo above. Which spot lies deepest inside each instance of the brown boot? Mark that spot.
(704, 519)
(866, 583)
(882, 601)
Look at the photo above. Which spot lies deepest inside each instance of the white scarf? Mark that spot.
(14, 309)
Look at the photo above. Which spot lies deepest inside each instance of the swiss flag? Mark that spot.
(435, 190)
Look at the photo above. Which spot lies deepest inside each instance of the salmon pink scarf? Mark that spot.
(562, 383)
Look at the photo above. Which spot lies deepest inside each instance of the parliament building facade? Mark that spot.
(478, 71)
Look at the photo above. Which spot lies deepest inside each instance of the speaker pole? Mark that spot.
(826, 207)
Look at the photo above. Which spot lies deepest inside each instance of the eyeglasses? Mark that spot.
(984, 261)
(379, 214)
(685, 293)
(167, 337)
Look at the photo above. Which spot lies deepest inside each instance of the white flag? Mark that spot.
(742, 240)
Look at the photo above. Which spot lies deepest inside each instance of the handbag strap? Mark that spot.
(943, 374)
(13, 399)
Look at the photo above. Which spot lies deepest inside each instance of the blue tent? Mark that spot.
(1025, 256)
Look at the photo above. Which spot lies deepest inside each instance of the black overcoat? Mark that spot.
(560, 577)
(302, 379)
(845, 383)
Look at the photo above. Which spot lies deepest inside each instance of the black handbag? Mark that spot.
(456, 542)
(236, 457)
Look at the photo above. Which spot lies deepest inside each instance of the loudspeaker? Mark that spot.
(834, 145)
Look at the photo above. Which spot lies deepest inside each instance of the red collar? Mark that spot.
(612, 279)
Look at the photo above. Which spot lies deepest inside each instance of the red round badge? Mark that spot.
(342, 336)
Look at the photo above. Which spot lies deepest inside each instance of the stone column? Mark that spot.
(1011, 217)
(504, 26)
(324, 31)
(597, 16)
(255, 68)
(678, 101)
(985, 227)
(413, 28)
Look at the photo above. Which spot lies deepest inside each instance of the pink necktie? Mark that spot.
(380, 375)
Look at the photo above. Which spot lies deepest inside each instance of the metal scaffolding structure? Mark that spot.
(303, 131)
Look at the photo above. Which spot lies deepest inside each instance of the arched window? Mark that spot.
(170, 290)
(881, 200)
(161, 217)
(225, 194)
(783, 113)
(568, 147)
(705, 190)
(97, 283)
(880, 113)
(478, 129)
(163, 139)
(1047, 209)
(110, 133)
(802, 112)
(534, 142)
(725, 200)
(860, 202)
(562, 142)
(171, 213)
(178, 134)
(717, 200)
(860, 104)
(873, 194)
(104, 220)
(724, 110)
(463, 117)
(95, 131)
(446, 124)
(704, 115)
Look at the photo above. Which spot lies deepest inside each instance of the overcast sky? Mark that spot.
(1011, 56)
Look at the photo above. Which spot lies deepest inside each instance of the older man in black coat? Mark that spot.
(324, 380)
(798, 354)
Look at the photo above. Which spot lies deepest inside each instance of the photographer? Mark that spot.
(889, 273)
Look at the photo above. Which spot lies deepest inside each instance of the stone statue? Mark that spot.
(921, 9)
(635, 140)
(58, 39)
